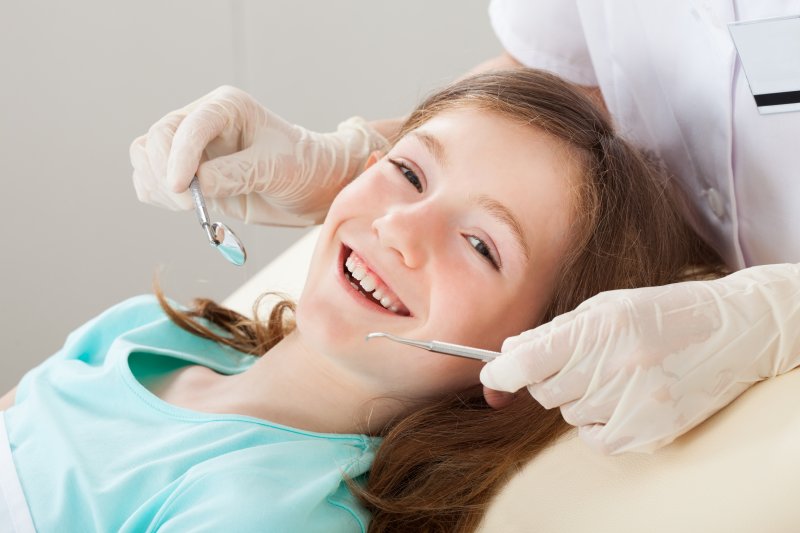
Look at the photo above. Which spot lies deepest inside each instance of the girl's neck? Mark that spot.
(296, 386)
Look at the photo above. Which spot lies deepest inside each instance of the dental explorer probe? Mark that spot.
(441, 347)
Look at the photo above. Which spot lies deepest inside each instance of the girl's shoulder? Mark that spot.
(125, 315)
(90, 342)
(96, 334)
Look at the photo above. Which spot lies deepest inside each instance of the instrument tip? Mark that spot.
(376, 334)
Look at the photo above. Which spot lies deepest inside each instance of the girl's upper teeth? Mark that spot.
(369, 283)
(359, 272)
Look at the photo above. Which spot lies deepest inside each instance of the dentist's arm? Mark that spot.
(634, 369)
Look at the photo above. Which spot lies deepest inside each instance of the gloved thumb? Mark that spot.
(508, 372)
(531, 357)
(190, 140)
(180, 171)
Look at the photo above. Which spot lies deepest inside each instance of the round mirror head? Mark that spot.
(228, 244)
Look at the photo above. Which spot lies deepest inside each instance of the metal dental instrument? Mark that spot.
(220, 235)
(442, 347)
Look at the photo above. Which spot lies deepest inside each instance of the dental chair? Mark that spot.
(737, 472)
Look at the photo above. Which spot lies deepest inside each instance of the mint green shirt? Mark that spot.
(96, 451)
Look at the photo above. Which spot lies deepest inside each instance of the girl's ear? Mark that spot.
(373, 158)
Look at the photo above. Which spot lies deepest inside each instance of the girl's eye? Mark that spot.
(483, 249)
(409, 174)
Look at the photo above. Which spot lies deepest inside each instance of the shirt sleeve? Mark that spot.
(545, 34)
(90, 342)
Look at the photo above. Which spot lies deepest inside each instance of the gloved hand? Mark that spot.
(634, 369)
(251, 164)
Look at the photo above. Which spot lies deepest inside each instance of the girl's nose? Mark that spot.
(410, 230)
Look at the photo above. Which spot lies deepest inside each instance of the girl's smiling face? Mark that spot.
(460, 228)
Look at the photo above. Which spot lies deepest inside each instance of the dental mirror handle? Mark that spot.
(202, 212)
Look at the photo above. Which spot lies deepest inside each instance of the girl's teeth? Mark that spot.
(368, 283)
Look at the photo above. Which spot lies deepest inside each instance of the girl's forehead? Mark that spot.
(498, 147)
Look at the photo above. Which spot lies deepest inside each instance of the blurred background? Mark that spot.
(82, 79)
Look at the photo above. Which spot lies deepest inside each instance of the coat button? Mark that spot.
(715, 202)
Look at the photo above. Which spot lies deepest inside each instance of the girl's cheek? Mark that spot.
(363, 195)
(349, 198)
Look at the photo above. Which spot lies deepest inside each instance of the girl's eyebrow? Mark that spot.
(504, 215)
(434, 146)
(496, 209)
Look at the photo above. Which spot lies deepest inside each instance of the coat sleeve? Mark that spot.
(545, 34)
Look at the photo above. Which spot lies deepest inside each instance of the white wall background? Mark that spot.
(80, 79)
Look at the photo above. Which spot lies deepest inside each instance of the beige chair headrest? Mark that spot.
(737, 472)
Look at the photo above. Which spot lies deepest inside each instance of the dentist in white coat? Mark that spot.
(632, 369)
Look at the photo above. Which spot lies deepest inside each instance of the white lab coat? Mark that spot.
(670, 76)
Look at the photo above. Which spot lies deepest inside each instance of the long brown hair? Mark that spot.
(438, 467)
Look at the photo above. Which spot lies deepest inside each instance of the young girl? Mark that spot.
(506, 201)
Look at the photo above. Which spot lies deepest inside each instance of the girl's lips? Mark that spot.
(363, 299)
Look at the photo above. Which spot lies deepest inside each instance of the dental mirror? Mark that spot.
(220, 236)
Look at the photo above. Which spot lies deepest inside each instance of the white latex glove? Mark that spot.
(251, 164)
(634, 369)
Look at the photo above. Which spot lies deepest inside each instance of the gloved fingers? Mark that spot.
(546, 351)
(141, 169)
(645, 415)
(593, 436)
(138, 156)
(591, 382)
(230, 206)
(157, 197)
(227, 176)
(601, 439)
(147, 187)
(159, 144)
(193, 134)
(276, 159)
(552, 393)
(586, 411)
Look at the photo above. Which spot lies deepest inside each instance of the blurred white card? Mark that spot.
(769, 50)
